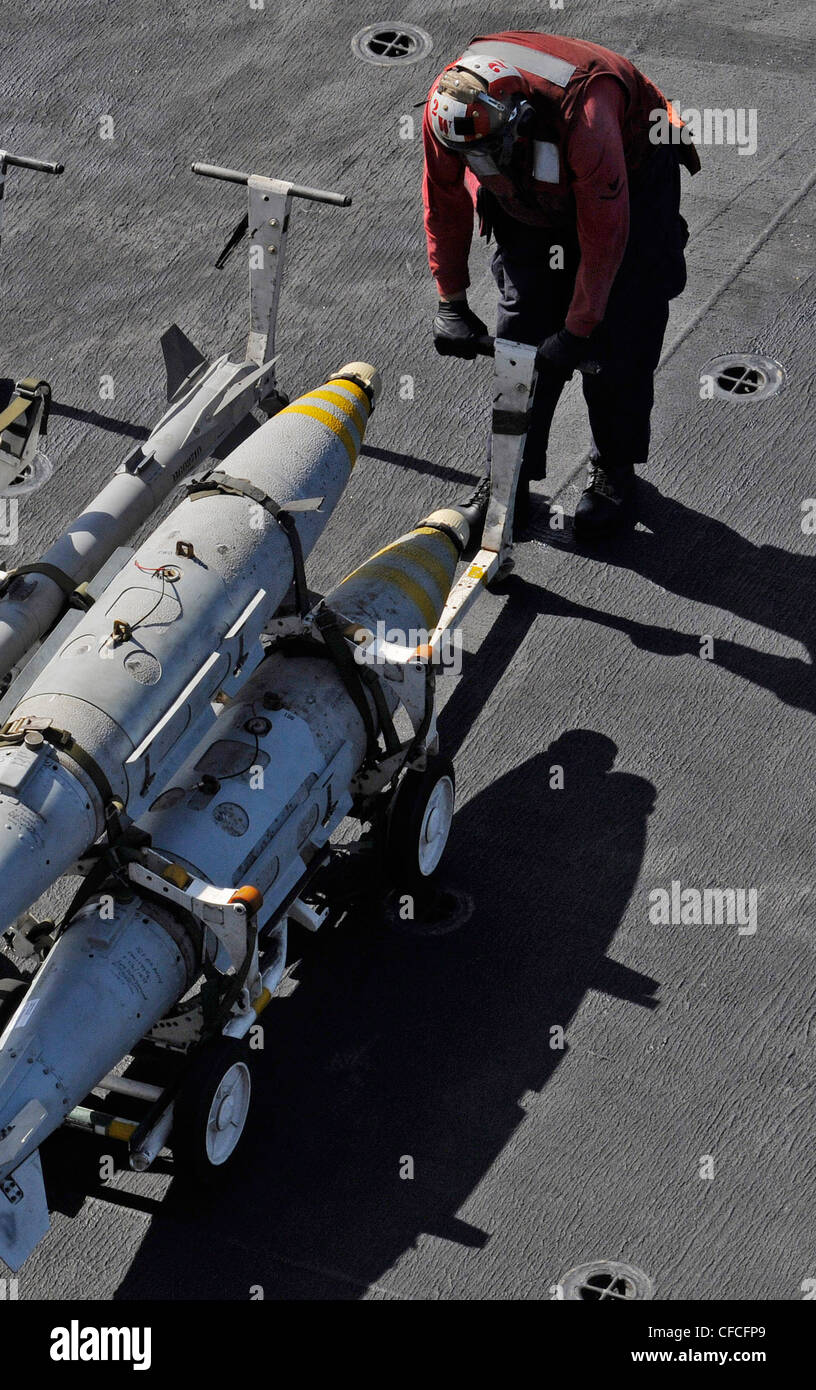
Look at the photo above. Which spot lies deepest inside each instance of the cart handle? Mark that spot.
(22, 161)
(296, 190)
(486, 347)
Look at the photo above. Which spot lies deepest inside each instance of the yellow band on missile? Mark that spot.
(354, 390)
(435, 568)
(437, 536)
(331, 421)
(405, 541)
(420, 555)
(405, 584)
(348, 407)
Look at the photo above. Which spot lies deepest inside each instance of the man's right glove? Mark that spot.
(456, 329)
(562, 352)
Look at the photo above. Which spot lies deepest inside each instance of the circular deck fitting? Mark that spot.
(605, 1279)
(34, 476)
(744, 377)
(440, 912)
(391, 41)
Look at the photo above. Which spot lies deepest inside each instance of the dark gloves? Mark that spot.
(562, 352)
(456, 329)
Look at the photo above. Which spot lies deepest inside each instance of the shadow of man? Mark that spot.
(700, 558)
(392, 1078)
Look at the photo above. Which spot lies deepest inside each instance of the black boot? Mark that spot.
(607, 502)
(474, 508)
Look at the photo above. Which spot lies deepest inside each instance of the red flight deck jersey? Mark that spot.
(592, 131)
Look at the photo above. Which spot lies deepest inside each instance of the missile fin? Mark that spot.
(181, 358)
(241, 386)
(24, 1218)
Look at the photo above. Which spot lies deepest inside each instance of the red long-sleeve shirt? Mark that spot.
(592, 191)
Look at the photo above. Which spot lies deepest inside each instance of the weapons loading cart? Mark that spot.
(186, 1084)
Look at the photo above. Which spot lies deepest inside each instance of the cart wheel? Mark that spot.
(211, 1111)
(419, 822)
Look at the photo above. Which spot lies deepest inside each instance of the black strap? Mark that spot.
(241, 487)
(74, 595)
(94, 880)
(389, 733)
(446, 531)
(350, 671)
(356, 677)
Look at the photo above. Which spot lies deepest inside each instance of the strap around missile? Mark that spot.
(328, 625)
(17, 731)
(241, 487)
(74, 593)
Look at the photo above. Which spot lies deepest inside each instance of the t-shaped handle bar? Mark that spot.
(296, 190)
(22, 161)
(486, 347)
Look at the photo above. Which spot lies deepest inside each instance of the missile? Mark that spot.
(172, 639)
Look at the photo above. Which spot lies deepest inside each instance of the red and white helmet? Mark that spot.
(474, 100)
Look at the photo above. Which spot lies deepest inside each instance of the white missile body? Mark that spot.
(169, 642)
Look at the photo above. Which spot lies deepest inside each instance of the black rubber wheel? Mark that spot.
(211, 1111)
(418, 824)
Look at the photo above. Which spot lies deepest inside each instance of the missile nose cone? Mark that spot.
(365, 375)
(406, 583)
(457, 520)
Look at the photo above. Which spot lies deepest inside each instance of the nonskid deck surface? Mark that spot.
(671, 1129)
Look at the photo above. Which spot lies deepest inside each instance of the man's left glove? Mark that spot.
(562, 352)
(456, 329)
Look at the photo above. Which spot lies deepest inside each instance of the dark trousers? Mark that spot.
(534, 299)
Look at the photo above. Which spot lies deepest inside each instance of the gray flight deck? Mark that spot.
(689, 1049)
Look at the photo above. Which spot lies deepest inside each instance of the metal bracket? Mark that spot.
(23, 423)
(270, 203)
(410, 678)
(209, 905)
(514, 384)
(267, 221)
(213, 907)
